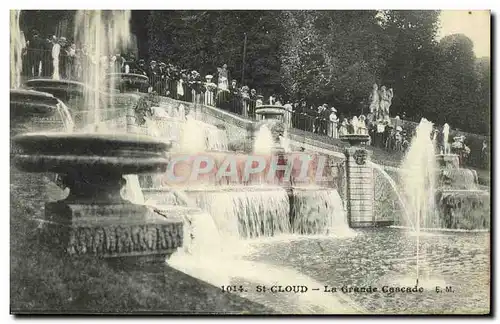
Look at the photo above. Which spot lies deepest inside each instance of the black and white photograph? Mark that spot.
(250, 162)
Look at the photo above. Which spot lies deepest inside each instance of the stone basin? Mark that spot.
(273, 111)
(65, 90)
(73, 94)
(355, 139)
(128, 81)
(26, 103)
(95, 153)
(29, 96)
(129, 77)
(37, 111)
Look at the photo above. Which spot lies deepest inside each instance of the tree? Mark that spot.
(332, 56)
(411, 63)
(205, 40)
(335, 57)
(456, 93)
(483, 94)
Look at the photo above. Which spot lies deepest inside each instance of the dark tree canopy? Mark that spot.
(335, 57)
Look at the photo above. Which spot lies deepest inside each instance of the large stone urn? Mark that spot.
(94, 218)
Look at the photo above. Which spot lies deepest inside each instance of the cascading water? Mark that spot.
(69, 124)
(132, 190)
(214, 247)
(247, 211)
(216, 138)
(104, 32)
(319, 211)
(212, 253)
(17, 43)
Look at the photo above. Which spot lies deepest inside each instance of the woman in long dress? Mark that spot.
(332, 124)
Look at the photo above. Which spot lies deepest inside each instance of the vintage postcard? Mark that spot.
(250, 162)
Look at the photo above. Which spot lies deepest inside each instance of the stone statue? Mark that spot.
(223, 77)
(385, 101)
(374, 100)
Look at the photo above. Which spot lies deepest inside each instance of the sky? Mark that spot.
(474, 24)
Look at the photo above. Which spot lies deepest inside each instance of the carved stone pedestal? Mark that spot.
(111, 231)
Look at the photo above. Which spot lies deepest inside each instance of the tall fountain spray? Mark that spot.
(104, 32)
(264, 143)
(419, 169)
(193, 139)
(446, 134)
(419, 180)
(17, 42)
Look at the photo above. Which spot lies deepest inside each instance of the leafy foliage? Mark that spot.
(335, 57)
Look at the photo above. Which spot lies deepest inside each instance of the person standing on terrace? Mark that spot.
(35, 46)
(195, 81)
(161, 85)
(56, 49)
(63, 58)
(46, 46)
(235, 97)
(71, 62)
(252, 103)
(141, 67)
(245, 97)
(332, 123)
(300, 119)
(485, 156)
(343, 127)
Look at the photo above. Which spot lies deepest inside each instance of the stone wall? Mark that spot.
(360, 189)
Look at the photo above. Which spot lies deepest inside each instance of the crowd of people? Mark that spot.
(57, 58)
(51, 57)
